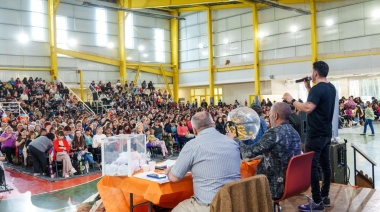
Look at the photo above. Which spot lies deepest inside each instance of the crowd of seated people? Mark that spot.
(134, 109)
(352, 111)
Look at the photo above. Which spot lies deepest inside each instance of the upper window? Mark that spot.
(159, 44)
(101, 27)
(129, 33)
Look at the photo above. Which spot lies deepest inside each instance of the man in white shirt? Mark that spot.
(24, 97)
(97, 139)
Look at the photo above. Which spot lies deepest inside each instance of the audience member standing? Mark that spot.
(320, 109)
(38, 149)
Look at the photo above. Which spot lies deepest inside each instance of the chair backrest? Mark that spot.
(250, 195)
(298, 175)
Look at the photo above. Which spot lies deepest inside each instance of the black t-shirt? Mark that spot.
(319, 122)
(157, 130)
(295, 121)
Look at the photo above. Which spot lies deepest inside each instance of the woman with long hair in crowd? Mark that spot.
(61, 153)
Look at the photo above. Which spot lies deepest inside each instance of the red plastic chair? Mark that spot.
(298, 176)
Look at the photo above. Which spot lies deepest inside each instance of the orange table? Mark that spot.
(116, 191)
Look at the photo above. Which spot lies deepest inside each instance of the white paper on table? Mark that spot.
(144, 176)
(167, 163)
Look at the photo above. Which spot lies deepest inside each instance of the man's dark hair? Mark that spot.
(292, 108)
(50, 136)
(322, 68)
(258, 109)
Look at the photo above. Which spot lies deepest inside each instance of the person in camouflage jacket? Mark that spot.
(277, 146)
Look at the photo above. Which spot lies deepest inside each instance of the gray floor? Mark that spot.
(370, 145)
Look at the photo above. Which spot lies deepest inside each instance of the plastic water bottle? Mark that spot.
(148, 156)
(51, 171)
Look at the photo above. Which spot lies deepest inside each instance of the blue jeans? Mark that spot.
(321, 148)
(368, 122)
(87, 157)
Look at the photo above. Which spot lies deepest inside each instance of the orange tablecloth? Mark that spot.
(115, 191)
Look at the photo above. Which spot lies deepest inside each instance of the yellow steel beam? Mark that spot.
(210, 56)
(52, 40)
(198, 5)
(122, 67)
(193, 70)
(140, 4)
(174, 28)
(279, 62)
(313, 27)
(234, 68)
(24, 69)
(149, 69)
(256, 59)
(217, 7)
(81, 84)
(150, 64)
(56, 3)
(90, 57)
(349, 55)
(137, 75)
(166, 80)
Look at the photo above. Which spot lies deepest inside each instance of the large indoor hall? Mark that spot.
(189, 105)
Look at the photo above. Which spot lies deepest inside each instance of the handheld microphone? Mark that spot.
(303, 79)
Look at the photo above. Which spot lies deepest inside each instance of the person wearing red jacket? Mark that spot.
(188, 123)
(61, 153)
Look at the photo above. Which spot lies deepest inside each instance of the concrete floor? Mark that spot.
(370, 145)
(33, 194)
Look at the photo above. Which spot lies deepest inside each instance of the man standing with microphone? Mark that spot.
(320, 108)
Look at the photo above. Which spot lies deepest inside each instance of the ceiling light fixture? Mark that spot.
(23, 38)
(72, 42)
(262, 34)
(376, 14)
(294, 28)
(110, 45)
(329, 22)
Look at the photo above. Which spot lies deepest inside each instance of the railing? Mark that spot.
(86, 107)
(99, 102)
(373, 163)
(13, 107)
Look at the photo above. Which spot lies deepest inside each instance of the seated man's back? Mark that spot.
(277, 146)
(213, 159)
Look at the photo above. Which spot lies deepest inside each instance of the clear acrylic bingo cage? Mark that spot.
(122, 155)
